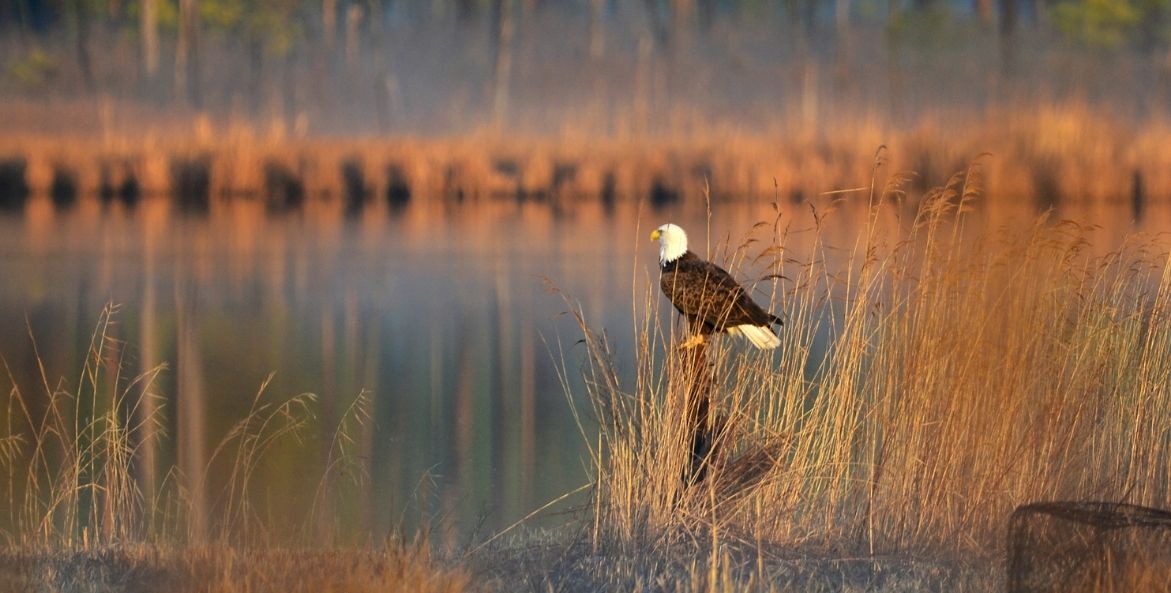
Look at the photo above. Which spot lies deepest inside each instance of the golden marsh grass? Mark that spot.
(948, 373)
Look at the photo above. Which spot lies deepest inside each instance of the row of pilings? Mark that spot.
(286, 175)
(285, 178)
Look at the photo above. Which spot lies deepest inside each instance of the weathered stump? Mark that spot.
(1070, 547)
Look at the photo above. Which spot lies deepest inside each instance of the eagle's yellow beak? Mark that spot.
(655, 234)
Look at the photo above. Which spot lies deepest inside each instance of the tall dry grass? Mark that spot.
(75, 455)
(933, 375)
(83, 516)
(69, 455)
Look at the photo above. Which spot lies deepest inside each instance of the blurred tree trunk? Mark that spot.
(502, 30)
(328, 22)
(683, 11)
(1040, 13)
(661, 33)
(894, 76)
(150, 39)
(465, 10)
(801, 14)
(187, 54)
(985, 13)
(843, 51)
(1008, 17)
(809, 19)
(597, 32)
(1008, 24)
(706, 14)
(810, 95)
(83, 58)
(255, 73)
(354, 16)
(182, 48)
(384, 81)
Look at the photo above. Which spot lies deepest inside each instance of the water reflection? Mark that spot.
(437, 308)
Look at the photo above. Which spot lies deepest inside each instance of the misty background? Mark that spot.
(595, 68)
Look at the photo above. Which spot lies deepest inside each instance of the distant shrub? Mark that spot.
(33, 70)
(1112, 23)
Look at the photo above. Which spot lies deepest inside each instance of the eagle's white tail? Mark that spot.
(761, 336)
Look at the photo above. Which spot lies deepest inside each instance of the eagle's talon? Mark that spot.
(691, 342)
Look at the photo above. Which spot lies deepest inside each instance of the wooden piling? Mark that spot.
(710, 457)
(698, 372)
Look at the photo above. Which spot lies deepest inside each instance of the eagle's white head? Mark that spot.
(672, 242)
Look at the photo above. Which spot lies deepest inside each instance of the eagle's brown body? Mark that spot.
(710, 299)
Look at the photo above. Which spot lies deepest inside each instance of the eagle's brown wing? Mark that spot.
(704, 292)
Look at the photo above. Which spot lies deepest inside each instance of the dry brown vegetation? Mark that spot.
(82, 515)
(1046, 152)
(948, 374)
(222, 569)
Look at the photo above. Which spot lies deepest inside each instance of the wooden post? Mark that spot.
(697, 411)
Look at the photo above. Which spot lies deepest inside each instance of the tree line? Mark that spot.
(169, 37)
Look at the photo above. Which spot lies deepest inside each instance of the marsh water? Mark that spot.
(438, 309)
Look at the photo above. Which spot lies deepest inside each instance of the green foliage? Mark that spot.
(934, 27)
(1101, 23)
(166, 11)
(277, 25)
(1155, 27)
(32, 71)
(224, 14)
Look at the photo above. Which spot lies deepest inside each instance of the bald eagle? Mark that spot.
(710, 299)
